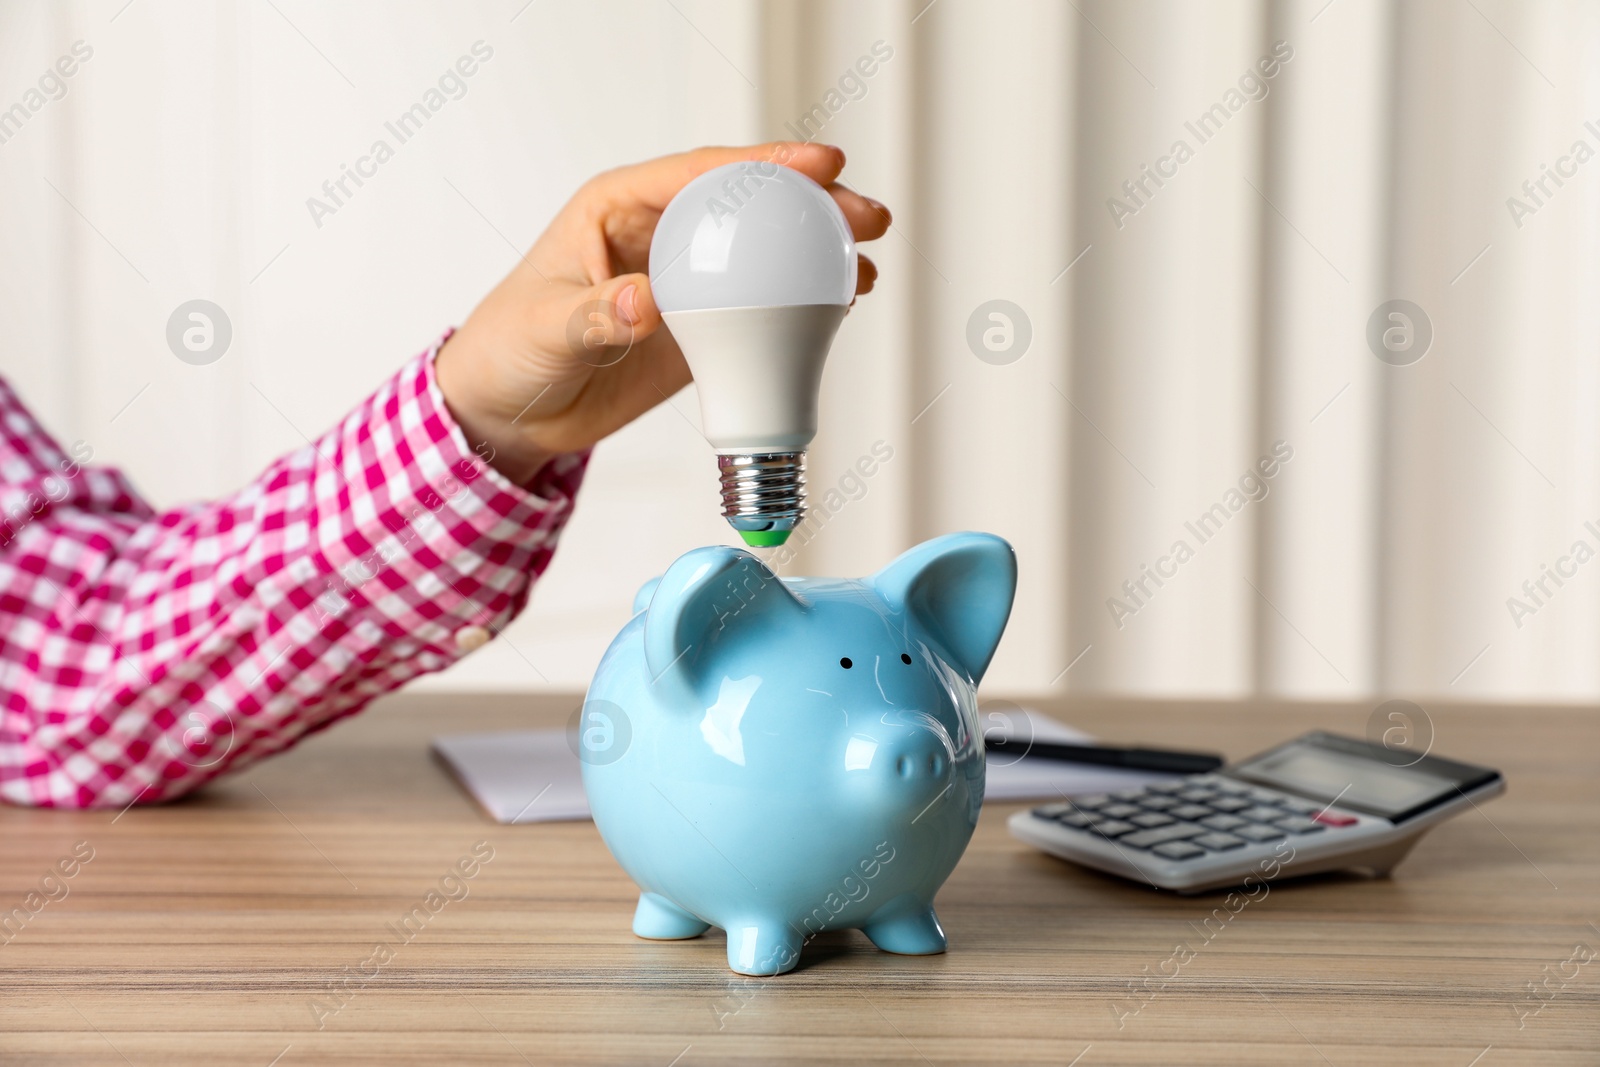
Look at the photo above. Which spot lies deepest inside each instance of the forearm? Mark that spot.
(190, 643)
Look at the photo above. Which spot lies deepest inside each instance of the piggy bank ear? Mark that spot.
(704, 598)
(641, 599)
(958, 589)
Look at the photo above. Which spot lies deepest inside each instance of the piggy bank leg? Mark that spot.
(661, 920)
(763, 947)
(914, 931)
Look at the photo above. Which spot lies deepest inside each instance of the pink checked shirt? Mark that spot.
(143, 654)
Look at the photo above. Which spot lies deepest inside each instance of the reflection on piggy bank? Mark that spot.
(778, 757)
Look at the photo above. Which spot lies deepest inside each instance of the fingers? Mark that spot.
(866, 275)
(869, 219)
(819, 162)
(620, 208)
(656, 182)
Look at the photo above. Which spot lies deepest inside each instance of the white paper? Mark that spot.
(522, 776)
(518, 775)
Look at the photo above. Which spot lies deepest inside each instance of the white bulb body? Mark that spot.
(753, 266)
(758, 371)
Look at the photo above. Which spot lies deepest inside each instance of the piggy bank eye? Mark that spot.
(904, 658)
(845, 663)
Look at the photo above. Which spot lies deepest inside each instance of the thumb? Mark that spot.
(614, 315)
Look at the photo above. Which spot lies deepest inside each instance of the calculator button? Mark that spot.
(1298, 806)
(1151, 819)
(1161, 835)
(1228, 785)
(1230, 804)
(1218, 842)
(1119, 811)
(1253, 832)
(1128, 794)
(1191, 812)
(1089, 803)
(1113, 828)
(1335, 818)
(1170, 787)
(1297, 824)
(1222, 822)
(1178, 850)
(1157, 803)
(1261, 813)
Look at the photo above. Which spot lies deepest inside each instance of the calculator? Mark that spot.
(1321, 802)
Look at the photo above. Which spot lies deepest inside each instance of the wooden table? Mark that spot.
(202, 932)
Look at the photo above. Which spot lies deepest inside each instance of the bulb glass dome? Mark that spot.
(752, 234)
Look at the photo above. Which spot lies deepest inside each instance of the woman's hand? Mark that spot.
(569, 347)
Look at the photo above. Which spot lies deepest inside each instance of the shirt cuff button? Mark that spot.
(471, 638)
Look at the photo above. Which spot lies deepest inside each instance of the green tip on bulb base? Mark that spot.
(764, 538)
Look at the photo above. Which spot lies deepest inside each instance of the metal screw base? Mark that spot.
(765, 492)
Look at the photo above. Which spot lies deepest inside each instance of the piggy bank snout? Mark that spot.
(913, 755)
(921, 759)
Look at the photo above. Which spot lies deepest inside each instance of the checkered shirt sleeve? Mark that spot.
(143, 654)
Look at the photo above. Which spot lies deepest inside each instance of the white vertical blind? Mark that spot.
(1163, 348)
(1326, 155)
(1178, 331)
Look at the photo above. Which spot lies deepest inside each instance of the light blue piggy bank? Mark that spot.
(778, 757)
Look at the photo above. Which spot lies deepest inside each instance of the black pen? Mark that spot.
(1133, 759)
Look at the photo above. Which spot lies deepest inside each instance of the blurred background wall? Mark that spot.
(1195, 220)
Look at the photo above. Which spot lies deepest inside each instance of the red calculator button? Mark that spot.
(1334, 818)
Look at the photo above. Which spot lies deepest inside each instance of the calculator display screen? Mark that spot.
(1364, 777)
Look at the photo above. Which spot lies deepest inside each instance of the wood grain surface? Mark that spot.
(218, 930)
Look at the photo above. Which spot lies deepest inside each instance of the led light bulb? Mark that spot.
(753, 267)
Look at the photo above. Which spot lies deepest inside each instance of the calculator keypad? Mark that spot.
(1191, 817)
